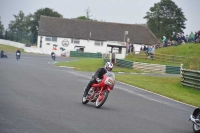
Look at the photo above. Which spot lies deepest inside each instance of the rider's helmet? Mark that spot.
(108, 66)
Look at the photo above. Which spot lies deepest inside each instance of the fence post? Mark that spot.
(181, 69)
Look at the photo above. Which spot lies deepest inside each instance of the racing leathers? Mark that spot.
(18, 51)
(98, 75)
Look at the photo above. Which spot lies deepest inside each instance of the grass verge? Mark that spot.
(7, 48)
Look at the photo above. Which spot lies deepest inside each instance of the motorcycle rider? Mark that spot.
(97, 77)
(2, 53)
(52, 53)
(18, 51)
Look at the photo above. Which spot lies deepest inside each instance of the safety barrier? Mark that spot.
(146, 67)
(190, 78)
(85, 54)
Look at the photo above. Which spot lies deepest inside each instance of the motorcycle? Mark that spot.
(54, 56)
(195, 119)
(17, 56)
(98, 93)
(4, 55)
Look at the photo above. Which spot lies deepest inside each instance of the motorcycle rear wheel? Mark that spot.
(196, 128)
(99, 103)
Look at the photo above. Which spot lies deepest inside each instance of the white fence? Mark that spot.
(36, 50)
(26, 49)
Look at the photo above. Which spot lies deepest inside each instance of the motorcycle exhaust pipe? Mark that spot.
(194, 121)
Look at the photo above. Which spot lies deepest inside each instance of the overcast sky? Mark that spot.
(119, 11)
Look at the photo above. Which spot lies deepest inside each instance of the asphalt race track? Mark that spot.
(38, 97)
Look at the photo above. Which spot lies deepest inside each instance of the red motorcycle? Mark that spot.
(98, 93)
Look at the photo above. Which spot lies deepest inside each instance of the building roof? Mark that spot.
(93, 30)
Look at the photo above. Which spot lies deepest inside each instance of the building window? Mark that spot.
(54, 39)
(48, 38)
(98, 43)
(76, 41)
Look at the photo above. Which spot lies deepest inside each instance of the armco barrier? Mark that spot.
(85, 54)
(124, 63)
(146, 67)
(190, 78)
(173, 69)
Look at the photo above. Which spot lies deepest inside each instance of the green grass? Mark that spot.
(7, 48)
(187, 50)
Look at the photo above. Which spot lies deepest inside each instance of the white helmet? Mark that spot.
(108, 66)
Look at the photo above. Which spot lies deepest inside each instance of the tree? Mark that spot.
(82, 18)
(35, 18)
(87, 17)
(19, 26)
(1, 29)
(87, 13)
(165, 18)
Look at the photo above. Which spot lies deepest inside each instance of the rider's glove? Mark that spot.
(98, 80)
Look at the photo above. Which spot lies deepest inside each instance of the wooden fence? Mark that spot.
(160, 57)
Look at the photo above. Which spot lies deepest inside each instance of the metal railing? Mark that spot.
(147, 67)
(190, 78)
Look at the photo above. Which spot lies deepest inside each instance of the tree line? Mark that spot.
(165, 18)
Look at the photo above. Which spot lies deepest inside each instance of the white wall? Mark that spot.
(88, 44)
(11, 43)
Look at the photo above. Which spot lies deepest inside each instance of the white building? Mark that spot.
(65, 35)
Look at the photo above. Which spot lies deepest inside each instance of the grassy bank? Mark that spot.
(164, 85)
(7, 48)
(190, 51)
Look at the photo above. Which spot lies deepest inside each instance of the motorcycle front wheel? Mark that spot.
(101, 99)
(84, 102)
(196, 128)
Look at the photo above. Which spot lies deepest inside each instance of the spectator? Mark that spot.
(145, 48)
(179, 39)
(195, 36)
(191, 37)
(186, 38)
(183, 38)
(198, 37)
(131, 47)
(152, 52)
(148, 50)
(2, 53)
(141, 49)
(164, 41)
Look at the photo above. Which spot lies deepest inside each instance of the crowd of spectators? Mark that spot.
(149, 50)
(180, 38)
